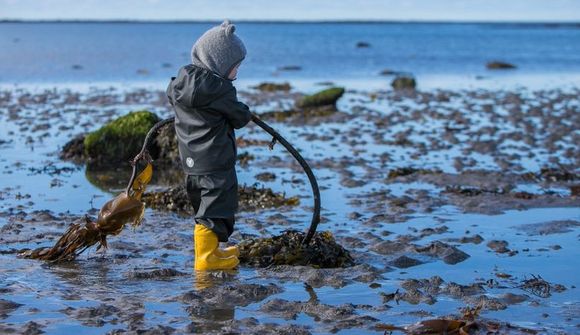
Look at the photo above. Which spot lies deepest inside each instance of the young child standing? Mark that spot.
(206, 113)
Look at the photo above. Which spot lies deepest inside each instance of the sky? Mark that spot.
(390, 10)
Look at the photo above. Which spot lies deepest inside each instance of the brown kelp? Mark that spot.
(113, 216)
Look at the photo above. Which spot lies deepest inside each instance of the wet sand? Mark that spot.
(445, 200)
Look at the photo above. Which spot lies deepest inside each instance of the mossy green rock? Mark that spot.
(273, 87)
(326, 97)
(121, 139)
(404, 83)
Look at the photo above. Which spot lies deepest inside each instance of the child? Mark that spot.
(206, 113)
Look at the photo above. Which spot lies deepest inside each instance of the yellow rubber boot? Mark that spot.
(206, 257)
(227, 252)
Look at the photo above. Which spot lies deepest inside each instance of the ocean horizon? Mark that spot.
(438, 54)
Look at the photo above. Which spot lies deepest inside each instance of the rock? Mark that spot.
(164, 273)
(498, 65)
(388, 247)
(290, 68)
(475, 239)
(388, 72)
(404, 82)
(163, 149)
(7, 306)
(548, 228)
(554, 175)
(498, 246)
(512, 299)
(327, 97)
(406, 171)
(575, 190)
(266, 176)
(461, 291)
(74, 149)
(119, 140)
(487, 303)
(404, 262)
(448, 253)
(273, 87)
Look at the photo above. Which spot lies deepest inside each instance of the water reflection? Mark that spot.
(207, 310)
(207, 279)
(116, 179)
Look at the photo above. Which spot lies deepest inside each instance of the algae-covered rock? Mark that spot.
(121, 139)
(273, 87)
(287, 249)
(404, 82)
(74, 150)
(327, 97)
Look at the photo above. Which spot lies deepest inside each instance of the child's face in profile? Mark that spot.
(234, 74)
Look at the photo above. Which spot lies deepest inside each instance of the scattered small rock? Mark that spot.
(404, 82)
(498, 65)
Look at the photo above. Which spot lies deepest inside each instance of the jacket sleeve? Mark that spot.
(237, 113)
(169, 91)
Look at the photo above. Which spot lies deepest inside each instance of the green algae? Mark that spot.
(323, 98)
(404, 82)
(120, 139)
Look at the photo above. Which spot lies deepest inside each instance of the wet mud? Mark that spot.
(458, 211)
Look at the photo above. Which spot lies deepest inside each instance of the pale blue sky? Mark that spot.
(430, 10)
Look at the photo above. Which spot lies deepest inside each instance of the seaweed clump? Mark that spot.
(407, 171)
(286, 249)
(251, 198)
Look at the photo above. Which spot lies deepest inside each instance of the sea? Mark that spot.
(439, 55)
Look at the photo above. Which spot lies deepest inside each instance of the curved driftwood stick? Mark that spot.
(144, 154)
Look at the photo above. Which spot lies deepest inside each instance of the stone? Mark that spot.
(327, 97)
(404, 82)
(498, 65)
(121, 139)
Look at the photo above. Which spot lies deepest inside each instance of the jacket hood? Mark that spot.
(195, 86)
(219, 49)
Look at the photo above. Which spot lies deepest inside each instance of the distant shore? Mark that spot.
(543, 24)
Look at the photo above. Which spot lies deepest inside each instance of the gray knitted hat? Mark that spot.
(219, 49)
